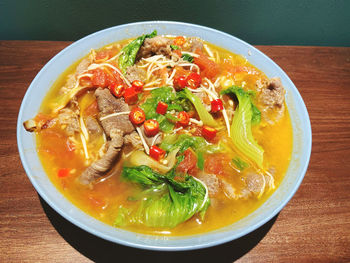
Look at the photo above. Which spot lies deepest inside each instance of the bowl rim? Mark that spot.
(63, 213)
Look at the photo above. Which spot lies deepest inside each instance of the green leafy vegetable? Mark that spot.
(241, 131)
(187, 57)
(164, 202)
(174, 47)
(182, 101)
(239, 163)
(183, 142)
(166, 95)
(129, 52)
(202, 112)
(200, 160)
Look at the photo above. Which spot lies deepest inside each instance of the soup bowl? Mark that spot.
(58, 64)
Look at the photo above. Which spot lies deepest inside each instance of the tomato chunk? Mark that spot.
(189, 164)
(208, 67)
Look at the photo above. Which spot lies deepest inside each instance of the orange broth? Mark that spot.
(103, 199)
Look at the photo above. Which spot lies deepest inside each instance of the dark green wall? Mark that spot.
(283, 22)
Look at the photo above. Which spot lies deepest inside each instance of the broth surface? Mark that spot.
(107, 194)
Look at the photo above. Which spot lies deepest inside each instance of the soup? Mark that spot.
(164, 135)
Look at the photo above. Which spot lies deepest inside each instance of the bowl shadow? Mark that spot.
(100, 250)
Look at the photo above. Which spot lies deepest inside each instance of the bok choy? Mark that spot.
(205, 116)
(241, 132)
(129, 52)
(164, 202)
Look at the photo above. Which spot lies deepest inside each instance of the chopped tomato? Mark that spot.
(137, 116)
(156, 153)
(184, 118)
(161, 107)
(179, 41)
(86, 81)
(105, 77)
(217, 164)
(138, 85)
(117, 89)
(105, 54)
(193, 80)
(189, 164)
(208, 67)
(151, 127)
(63, 172)
(208, 133)
(131, 95)
(100, 78)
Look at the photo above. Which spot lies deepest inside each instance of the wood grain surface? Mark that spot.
(313, 227)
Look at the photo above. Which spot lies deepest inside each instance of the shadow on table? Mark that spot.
(100, 250)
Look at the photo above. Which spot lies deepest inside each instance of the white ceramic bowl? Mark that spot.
(52, 70)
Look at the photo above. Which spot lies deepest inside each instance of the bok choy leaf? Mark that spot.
(164, 202)
(241, 132)
(129, 52)
(202, 112)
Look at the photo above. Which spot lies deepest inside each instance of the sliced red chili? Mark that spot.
(138, 85)
(137, 116)
(156, 153)
(216, 105)
(193, 80)
(63, 172)
(180, 83)
(130, 95)
(162, 107)
(208, 133)
(151, 127)
(117, 89)
(179, 41)
(183, 118)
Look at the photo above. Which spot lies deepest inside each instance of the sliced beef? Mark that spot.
(272, 100)
(108, 104)
(155, 46)
(92, 126)
(106, 162)
(195, 44)
(115, 128)
(133, 139)
(273, 94)
(69, 119)
(83, 65)
(135, 73)
(255, 183)
(211, 181)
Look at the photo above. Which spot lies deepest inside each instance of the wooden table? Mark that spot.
(313, 227)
